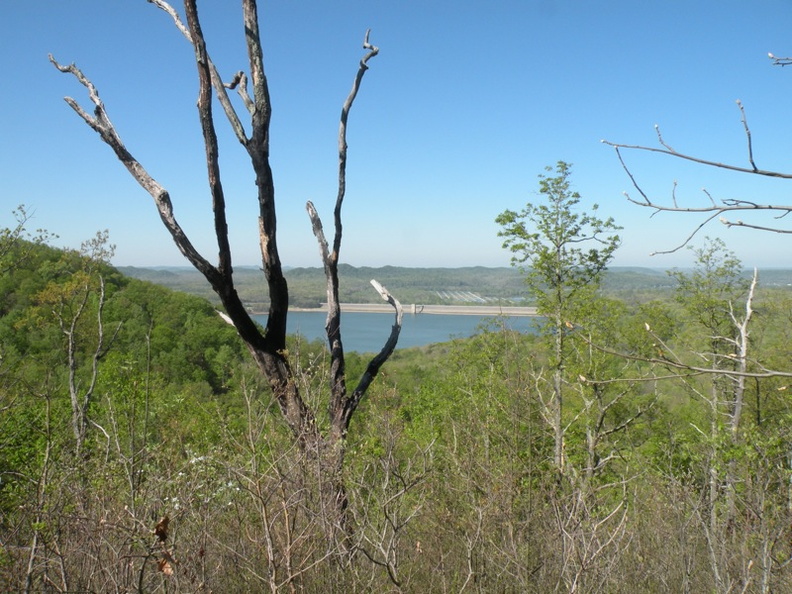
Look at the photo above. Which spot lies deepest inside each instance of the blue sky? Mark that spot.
(463, 108)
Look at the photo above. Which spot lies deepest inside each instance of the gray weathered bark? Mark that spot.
(267, 348)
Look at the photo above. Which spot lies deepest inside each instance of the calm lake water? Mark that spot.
(367, 332)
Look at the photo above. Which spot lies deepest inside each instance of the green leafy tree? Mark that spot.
(71, 301)
(709, 291)
(17, 242)
(563, 253)
(713, 295)
(719, 301)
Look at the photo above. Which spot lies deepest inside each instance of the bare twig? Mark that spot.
(217, 82)
(676, 363)
(342, 406)
(667, 151)
(779, 61)
(663, 142)
(715, 210)
(747, 134)
(101, 124)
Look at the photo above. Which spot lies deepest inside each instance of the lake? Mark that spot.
(367, 332)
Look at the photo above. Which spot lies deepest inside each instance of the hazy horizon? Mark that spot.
(187, 266)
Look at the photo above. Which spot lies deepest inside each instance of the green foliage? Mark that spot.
(553, 241)
(449, 468)
(712, 290)
(566, 253)
(17, 242)
(308, 286)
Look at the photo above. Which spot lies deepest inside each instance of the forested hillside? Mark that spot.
(308, 285)
(160, 439)
(139, 450)
(428, 286)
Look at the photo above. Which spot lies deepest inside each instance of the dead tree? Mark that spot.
(268, 348)
(733, 365)
(712, 209)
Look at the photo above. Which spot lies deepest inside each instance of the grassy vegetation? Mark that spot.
(449, 469)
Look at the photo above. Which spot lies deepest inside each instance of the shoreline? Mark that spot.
(456, 310)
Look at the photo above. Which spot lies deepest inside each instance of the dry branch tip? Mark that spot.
(380, 289)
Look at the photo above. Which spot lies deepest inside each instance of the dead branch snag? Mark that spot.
(102, 125)
(217, 82)
(713, 209)
(777, 61)
(268, 348)
(343, 405)
(686, 370)
(387, 350)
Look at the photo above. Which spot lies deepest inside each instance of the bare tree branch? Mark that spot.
(667, 150)
(342, 406)
(676, 363)
(101, 124)
(387, 350)
(210, 143)
(747, 134)
(342, 142)
(268, 348)
(217, 82)
(714, 209)
(779, 61)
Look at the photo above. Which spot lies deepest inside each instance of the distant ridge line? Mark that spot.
(455, 310)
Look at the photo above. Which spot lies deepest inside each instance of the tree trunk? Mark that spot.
(268, 349)
(557, 409)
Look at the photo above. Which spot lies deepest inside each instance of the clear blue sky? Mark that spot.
(464, 106)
